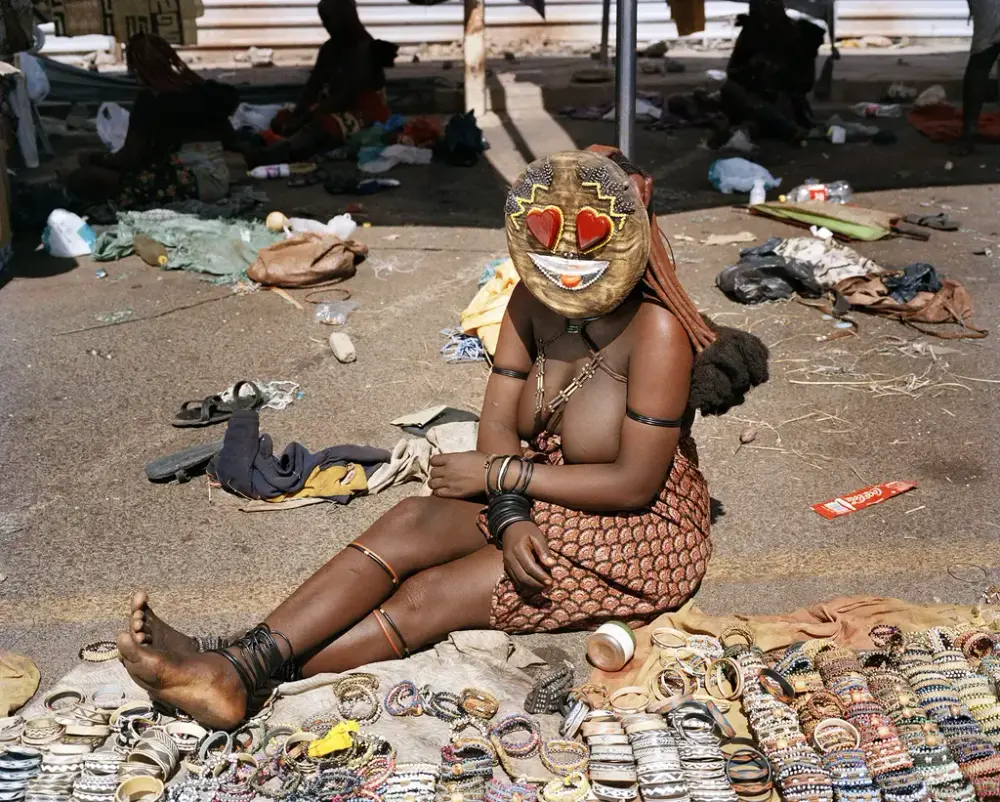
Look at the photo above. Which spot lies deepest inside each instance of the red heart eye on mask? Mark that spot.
(593, 229)
(545, 225)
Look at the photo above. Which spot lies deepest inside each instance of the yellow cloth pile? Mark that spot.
(484, 314)
(337, 480)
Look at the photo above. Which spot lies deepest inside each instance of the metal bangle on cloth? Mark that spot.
(551, 692)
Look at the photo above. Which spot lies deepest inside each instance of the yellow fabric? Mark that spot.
(688, 15)
(844, 619)
(336, 740)
(485, 312)
(337, 480)
(18, 681)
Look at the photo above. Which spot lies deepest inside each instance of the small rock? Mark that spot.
(508, 56)
(342, 347)
(102, 273)
(3, 577)
(949, 165)
(415, 59)
(656, 50)
(748, 435)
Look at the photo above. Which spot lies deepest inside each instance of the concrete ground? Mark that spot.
(81, 527)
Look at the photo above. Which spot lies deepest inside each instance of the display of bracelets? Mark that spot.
(550, 694)
(404, 699)
(748, 769)
(798, 769)
(411, 782)
(572, 788)
(613, 770)
(699, 748)
(442, 704)
(357, 697)
(563, 758)
(478, 703)
(973, 689)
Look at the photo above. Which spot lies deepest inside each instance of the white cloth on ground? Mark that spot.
(831, 262)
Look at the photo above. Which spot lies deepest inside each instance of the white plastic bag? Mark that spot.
(67, 235)
(396, 154)
(112, 125)
(255, 117)
(342, 226)
(35, 78)
(729, 175)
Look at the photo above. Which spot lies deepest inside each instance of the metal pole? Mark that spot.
(605, 28)
(474, 50)
(625, 57)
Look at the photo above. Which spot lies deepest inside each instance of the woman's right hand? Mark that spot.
(527, 558)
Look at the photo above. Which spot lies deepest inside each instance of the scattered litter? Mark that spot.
(764, 275)
(739, 175)
(269, 171)
(367, 186)
(729, 239)
(153, 253)
(381, 160)
(342, 226)
(116, 317)
(845, 220)
(420, 418)
(758, 194)
(276, 222)
(740, 141)
(858, 500)
(277, 395)
(931, 96)
(101, 354)
(747, 436)
(67, 235)
(342, 347)
(335, 313)
(821, 232)
(916, 509)
(877, 109)
(812, 189)
(3, 577)
(112, 125)
(259, 56)
(644, 111)
(462, 347)
(900, 91)
(716, 75)
(254, 117)
(101, 273)
(922, 348)
(837, 134)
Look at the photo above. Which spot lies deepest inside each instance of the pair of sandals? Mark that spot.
(185, 465)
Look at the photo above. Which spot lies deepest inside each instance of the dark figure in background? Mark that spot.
(177, 131)
(984, 54)
(345, 91)
(771, 72)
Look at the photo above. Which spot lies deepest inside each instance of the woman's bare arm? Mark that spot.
(659, 379)
(498, 422)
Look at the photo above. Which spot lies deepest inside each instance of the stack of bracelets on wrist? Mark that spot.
(613, 773)
(973, 688)
(700, 751)
(920, 736)
(974, 754)
(507, 506)
(798, 770)
(889, 764)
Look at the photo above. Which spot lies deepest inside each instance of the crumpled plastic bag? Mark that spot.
(763, 274)
(739, 175)
(112, 125)
(830, 261)
(916, 278)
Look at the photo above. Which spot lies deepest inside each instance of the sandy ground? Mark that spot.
(81, 527)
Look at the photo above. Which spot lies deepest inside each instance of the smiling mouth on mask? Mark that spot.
(569, 274)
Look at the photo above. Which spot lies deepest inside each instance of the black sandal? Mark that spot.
(183, 465)
(938, 222)
(214, 410)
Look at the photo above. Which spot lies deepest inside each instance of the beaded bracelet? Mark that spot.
(515, 722)
(479, 703)
(563, 758)
(443, 705)
(572, 788)
(499, 791)
(404, 699)
(351, 696)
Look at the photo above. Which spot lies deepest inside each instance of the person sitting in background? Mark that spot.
(177, 131)
(770, 73)
(984, 54)
(345, 91)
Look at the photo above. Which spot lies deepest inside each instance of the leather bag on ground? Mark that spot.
(306, 260)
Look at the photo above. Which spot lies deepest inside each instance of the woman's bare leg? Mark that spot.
(427, 606)
(417, 534)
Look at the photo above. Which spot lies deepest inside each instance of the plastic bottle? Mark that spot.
(149, 250)
(814, 189)
(758, 194)
(877, 109)
(281, 170)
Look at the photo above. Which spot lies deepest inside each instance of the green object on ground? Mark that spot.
(221, 248)
(834, 219)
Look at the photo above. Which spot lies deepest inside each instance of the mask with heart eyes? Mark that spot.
(577, 232)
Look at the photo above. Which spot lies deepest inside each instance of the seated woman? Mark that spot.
(177, 131)
(345, 91)
(605, 515)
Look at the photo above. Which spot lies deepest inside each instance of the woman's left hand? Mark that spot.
(458, 475)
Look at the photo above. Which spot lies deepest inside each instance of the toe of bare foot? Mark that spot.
(147, 628)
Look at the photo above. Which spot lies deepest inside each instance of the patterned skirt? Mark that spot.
(628, 566)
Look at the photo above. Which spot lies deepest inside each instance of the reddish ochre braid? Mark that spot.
(660, 279)
(157, 65)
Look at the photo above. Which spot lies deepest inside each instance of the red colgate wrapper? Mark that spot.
(859, 499)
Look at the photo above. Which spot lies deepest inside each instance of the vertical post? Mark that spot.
(605, 29)
(474, 48)
(625, 58)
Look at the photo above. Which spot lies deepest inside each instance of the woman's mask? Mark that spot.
(577, 232)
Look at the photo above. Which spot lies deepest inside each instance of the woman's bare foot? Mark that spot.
(149, 630)
(205, 686)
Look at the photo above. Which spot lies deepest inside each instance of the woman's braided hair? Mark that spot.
(156, 64)
(728, 362)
